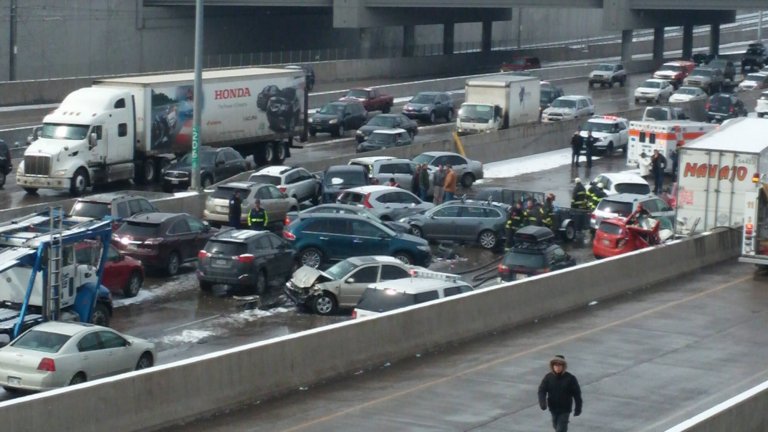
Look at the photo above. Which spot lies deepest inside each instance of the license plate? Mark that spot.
(718, 117)
(15, 381)
(220, 262)
(174, 182)
(221, 209)
(520, 276)
(131, 246)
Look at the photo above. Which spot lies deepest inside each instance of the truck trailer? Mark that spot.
(131, 127)
(716, 172)
(498, 102)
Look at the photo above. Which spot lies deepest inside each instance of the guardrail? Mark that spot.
(187, 389)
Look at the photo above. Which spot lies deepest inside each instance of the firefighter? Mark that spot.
(514, 223)
(257, 217)
(579, 196)
(533, 213)
(548, 211)
(595, 193)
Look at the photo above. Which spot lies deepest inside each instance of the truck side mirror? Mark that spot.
(92, 141)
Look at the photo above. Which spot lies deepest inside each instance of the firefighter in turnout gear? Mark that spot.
(257, 217)
(595, 193)
(514, 223)
(579, 196)
(533, 214)
(548, 211)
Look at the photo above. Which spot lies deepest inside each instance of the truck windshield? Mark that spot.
(64, 131)
(476, 113)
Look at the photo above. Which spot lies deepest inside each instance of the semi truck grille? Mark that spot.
(37, 165)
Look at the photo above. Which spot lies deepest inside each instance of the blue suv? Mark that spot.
(319, 238)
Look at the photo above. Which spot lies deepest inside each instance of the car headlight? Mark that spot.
(359, 132)
(20, 169)
(424, 248)
(425, 109)
(59, 173)
(333, 121)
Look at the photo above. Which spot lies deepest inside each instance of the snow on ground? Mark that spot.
(528, 164)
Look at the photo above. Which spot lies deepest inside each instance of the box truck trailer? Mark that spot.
(498, 102)
(716, 173)
(131, 127)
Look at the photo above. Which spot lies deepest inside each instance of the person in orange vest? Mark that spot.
(450, 183)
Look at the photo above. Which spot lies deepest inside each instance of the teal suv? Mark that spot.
(321, 238)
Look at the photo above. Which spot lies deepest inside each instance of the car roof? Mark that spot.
(658, 80)
(371, 259)
(678, 62)
(474, 203)
(625, 177)
(345, 168)
(303, 216)
(391, 160)
(573, 97)
(629, 197)
(373, 188)
(362, 88)
(107, 197)
(238, 235)
(389, 131)
(605, 119)
(153, 217)
(239, 185)
(534, 234)
(413, 285)
(431, 93)
(369, 160)
(336, 205)
(345, 101)
(440, 153)
(69, 328)
(275, 169)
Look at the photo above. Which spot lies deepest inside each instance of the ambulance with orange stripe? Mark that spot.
(666, 136)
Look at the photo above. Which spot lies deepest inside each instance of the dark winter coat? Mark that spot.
(577, 143)
(658, 163)
(558, 392)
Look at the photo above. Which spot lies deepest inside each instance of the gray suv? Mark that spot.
(295, 182)
(111, 206)
(430, 106)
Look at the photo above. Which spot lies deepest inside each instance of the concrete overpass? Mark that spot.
(618, 15)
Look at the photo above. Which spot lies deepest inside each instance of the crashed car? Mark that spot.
(341, 285)
(618, 235)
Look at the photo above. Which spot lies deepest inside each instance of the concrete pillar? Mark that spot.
(365, 43)
(658, 44)
(688, 41)
(626, 46)
(714, 39)
(409, 40)
(487, 36)
(448, 32)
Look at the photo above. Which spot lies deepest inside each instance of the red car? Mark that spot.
(122, 274)
(616, 236)
(520, 64)
(371, 98)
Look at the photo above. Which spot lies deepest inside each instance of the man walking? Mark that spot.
(577, 143)
(235, 210)
(658, 165)
(437, 182)
(450, 183)
(558, 391)
(257, 217)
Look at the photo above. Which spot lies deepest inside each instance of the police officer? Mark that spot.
(257, 217)
(235, 210)
(548, 211)
(514, 223)
(579, 196)
(589, 142)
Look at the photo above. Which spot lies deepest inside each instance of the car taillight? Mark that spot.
(593, 216)
(542, 270)
(707, 105)
(748, 228)
(288, 235)
(47, 364)
(503, 269)
(366, 202)
(246, 258)
(282, 188)
(354, 313)
(286, 221)
(202, 255)
(153, 241)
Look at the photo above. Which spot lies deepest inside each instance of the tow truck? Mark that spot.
(42, 278)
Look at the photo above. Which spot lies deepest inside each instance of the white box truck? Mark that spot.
(716, 173)
(130, 127)
(498, 102)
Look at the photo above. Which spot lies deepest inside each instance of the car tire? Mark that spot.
(145, 361)
(339, 131)
(432, 117)
(167, 188)
(637, 101)
(311, 257)
(261, 283)
(133, 286)
(488, 239)
(760, 115)
(324, 304)
(79, 183)
(449, 116)
(467, 179)
(417, 231)
(172, 264)
(31, 191)
(403, 257)
(205, 285)
(312, 132)
(206, 182)
(79, 378)
(100, 315)
(2, 179)
(570, 232)
(609, 149)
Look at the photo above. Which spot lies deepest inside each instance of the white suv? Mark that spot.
(761, 107)
(622, 182)
(568, 108)
(295, 182)
(611, 133)
(387, 202)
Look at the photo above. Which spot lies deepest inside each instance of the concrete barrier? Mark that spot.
(167, 394)
(745, 412)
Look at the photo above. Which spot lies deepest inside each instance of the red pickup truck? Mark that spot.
(371, 98)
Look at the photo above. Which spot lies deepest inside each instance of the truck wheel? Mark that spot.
(148, 172)
(262, 155)
(570, 232)
(79, 183)
(279, 153)
(31, 191)
(100, 315)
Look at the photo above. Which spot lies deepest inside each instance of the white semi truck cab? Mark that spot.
(88, 139)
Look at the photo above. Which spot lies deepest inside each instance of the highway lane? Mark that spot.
(645, 362)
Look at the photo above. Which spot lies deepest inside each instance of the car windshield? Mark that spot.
(381, 120)
(359, 93)
(344, 178)
(599, 127)
(138, 229)
(564, 103)
(476, 113)
(633, 188)
(617, 207)
(657, 113)
(702, 72)
(423, 159)
(228, 248)
(64, 131)
(755, 77)
(754, 51)
(651, 84)
(525, 258)
(605, 67)
(423, 98)
(382, 139)
(383, 300)
(227, 192)
(610, 228)
(719, 103)
(671, 67)
(38, 340)
(517, 61)
(332, 108)
(340, 269)
(205, 158)
(692, 91)
(91, 210)
(264, 178)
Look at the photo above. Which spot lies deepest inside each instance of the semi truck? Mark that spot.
(717, 173)
(44, 277)
(498, 102)
(131, 127)
(665, 136)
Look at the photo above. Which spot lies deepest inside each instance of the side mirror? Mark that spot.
(350, 280)
(92, 141)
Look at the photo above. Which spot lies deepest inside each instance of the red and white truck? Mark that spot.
(665, 136)
(716, 175)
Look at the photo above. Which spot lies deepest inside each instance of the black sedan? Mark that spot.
(216, 164)
(384, 139)
(336, 117)
(387, 121)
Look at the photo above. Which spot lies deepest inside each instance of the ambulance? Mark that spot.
(666, 136)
